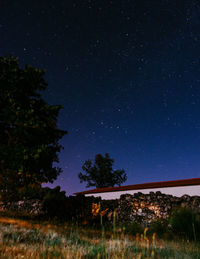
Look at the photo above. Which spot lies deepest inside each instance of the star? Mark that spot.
(128, 80)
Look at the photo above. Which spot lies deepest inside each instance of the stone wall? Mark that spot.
(140, 208)
(29, 207)
(146, 208)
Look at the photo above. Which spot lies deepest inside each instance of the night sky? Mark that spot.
(128, 75)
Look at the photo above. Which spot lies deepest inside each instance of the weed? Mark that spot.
(62, 241)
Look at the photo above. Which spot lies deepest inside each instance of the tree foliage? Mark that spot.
(54, 202)
(28, 128)
(101, 173)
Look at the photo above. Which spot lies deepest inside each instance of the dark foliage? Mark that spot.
(31, 191)
(185, 223)
(160, 227)
(101, 173)
(133, 228)
(28, 129)
(71, 208)
(79, 208)
(54, 203)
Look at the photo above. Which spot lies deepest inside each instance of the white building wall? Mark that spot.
(175, 191)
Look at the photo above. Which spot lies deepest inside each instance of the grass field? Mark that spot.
(26, 239)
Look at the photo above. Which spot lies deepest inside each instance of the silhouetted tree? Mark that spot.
(28, 129)
(101, 173)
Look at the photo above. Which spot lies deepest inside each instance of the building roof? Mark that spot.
(176, 183)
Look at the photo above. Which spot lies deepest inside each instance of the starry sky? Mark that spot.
(128, 75)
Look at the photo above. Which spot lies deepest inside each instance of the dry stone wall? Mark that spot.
(140, 208)
(146, 208)
(30, 207)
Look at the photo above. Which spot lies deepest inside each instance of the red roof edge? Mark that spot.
(175, 183)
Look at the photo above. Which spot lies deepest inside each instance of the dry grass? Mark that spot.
(26, 239)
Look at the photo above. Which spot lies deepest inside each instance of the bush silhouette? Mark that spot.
(54, 203)
(185, 222)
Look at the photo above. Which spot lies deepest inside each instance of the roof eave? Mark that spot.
(153, 185)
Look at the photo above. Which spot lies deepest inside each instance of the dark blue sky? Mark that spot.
(128, 75)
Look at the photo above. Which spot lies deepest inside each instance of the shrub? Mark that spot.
(54, 203)
(79, 208)
(72, 208)
(160, 227)
(185, 223)
(133, 228)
